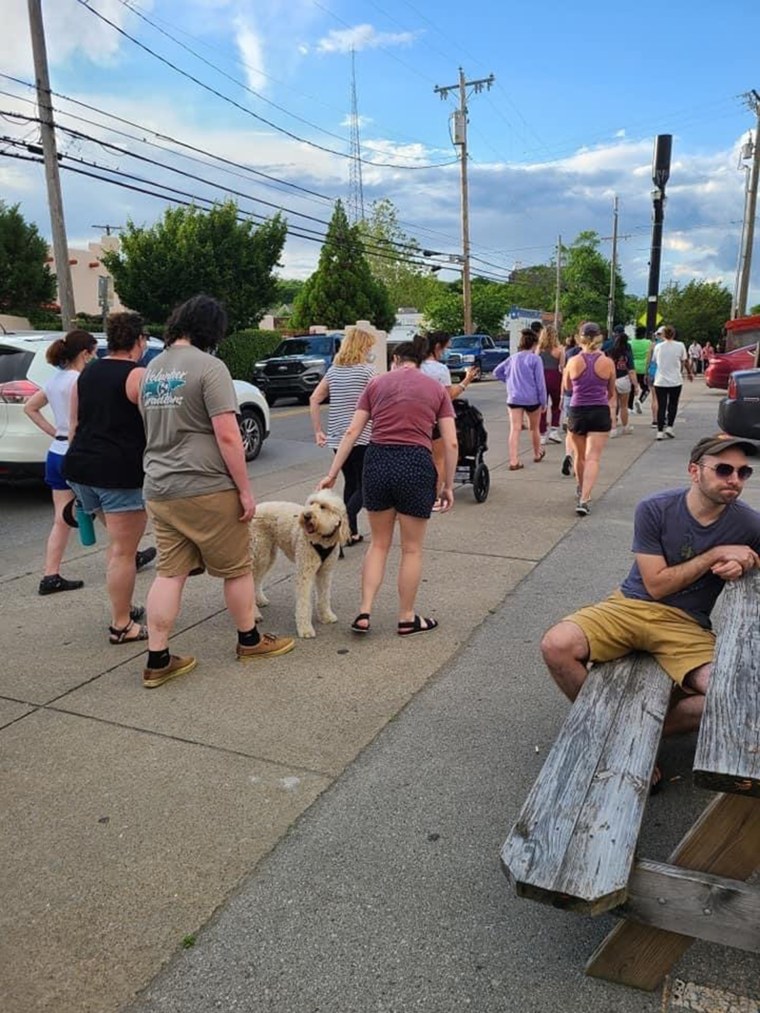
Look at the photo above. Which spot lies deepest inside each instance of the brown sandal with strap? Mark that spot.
(116, 636)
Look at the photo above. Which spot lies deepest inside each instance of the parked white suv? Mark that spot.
(24, 369)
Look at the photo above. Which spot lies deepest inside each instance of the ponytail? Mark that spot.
(415, 351)
(65, 350)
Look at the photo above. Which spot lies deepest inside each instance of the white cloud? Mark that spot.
(69, 29)
(362, 121)
(251, 47)
(359, 37)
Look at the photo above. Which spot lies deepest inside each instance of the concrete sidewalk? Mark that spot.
(132, 817)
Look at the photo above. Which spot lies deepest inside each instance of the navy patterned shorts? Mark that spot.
(400, 478)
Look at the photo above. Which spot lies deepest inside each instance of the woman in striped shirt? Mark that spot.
(344, 382)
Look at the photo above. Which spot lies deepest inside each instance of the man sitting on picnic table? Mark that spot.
(687, 543)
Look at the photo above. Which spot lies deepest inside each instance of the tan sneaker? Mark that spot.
(153, 677)
(268, 647)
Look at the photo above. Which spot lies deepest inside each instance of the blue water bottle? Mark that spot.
(85, 525)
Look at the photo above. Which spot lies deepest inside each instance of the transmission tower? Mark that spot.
(355, 186)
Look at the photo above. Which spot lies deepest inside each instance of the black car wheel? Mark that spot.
(481, 483)
(252, 432)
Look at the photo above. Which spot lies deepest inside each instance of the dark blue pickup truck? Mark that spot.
(479, 350)
(296, 366)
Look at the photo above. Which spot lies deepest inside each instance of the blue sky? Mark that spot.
(580, 92)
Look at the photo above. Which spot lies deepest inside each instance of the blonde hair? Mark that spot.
(354, 347)
(548, 339)
(590, 341)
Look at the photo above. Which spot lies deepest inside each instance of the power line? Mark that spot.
(189, 147)
(188, 199)
(245, 109)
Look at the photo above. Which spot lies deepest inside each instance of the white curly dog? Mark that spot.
(311, 537)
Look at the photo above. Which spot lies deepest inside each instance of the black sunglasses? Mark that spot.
(743, 472)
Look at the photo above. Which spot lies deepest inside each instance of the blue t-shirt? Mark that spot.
(664, 527)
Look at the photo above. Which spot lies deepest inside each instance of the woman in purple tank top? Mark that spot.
(590, 379)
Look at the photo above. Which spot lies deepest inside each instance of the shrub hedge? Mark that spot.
(242, 348)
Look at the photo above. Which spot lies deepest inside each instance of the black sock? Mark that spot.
(159, 659)
(249, 639)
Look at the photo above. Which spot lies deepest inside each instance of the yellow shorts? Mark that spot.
(619, 625)
(201, 531)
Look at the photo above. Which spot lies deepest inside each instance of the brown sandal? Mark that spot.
(516, 467)
(540, 457)
(116, 636)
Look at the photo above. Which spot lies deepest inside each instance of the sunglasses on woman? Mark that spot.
(743, 472)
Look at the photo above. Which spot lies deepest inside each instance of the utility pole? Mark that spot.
(660, 175)
(739, 308)
(50, 154)
(558, 284)
(459, 137)
(613, 269)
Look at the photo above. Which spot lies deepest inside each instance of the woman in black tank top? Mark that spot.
(104, 462)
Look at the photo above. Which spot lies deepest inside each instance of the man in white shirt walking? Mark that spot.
(671, 361)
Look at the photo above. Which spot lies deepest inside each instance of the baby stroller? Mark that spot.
(473, 443)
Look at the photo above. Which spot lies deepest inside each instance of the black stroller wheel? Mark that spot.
(481, 482)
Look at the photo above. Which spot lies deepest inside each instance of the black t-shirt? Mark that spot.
(107, 449)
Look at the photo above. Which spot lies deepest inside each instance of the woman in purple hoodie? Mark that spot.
(523, 374)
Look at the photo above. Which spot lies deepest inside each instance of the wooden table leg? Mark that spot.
(725, 840)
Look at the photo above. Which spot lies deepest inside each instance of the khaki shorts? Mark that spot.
(201, 531)
(619, 625)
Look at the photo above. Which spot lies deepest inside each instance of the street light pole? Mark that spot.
(660, 174)
(613, 269)
(50, 154)
(460, 140)
(739, 308)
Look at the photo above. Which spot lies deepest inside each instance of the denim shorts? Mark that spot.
(94, 499)
(54, 471)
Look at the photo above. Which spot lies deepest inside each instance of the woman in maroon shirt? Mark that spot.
(399, 480)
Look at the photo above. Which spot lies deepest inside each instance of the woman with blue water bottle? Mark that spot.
(104, 464)
(70, 355)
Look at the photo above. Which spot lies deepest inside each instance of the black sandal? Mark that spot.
(355, 624)
(117, 636)
(409, 628)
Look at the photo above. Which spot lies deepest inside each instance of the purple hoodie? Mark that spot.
(523, 374)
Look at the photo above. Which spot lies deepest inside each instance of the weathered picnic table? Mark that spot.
(574, 843)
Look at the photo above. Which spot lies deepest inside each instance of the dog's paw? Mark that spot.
(261, 599)
(307, 633)
(328, 617)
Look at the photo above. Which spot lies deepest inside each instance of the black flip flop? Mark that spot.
(412, 626)
(361, 629)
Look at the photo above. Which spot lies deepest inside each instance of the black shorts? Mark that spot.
(589, 419)
(525, 407)
(401, 478)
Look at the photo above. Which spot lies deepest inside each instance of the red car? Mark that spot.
(723, 364)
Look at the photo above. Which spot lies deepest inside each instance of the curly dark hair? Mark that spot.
(124, 330)
(202, 320)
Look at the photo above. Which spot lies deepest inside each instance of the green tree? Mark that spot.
(190, 251)
(533, 287)
(25, 279)
(342, 290)
(286, 292)
(698, 311)
(490, 302)
(586, 284)
(391, 255)
(754, 309)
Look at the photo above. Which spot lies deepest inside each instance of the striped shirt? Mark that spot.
(346, 384)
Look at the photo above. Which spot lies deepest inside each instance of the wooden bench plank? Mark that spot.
(728, 749)
(724, 841)
(697, 904)
(573, 844)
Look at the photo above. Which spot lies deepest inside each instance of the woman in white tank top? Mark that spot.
(70, 354)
